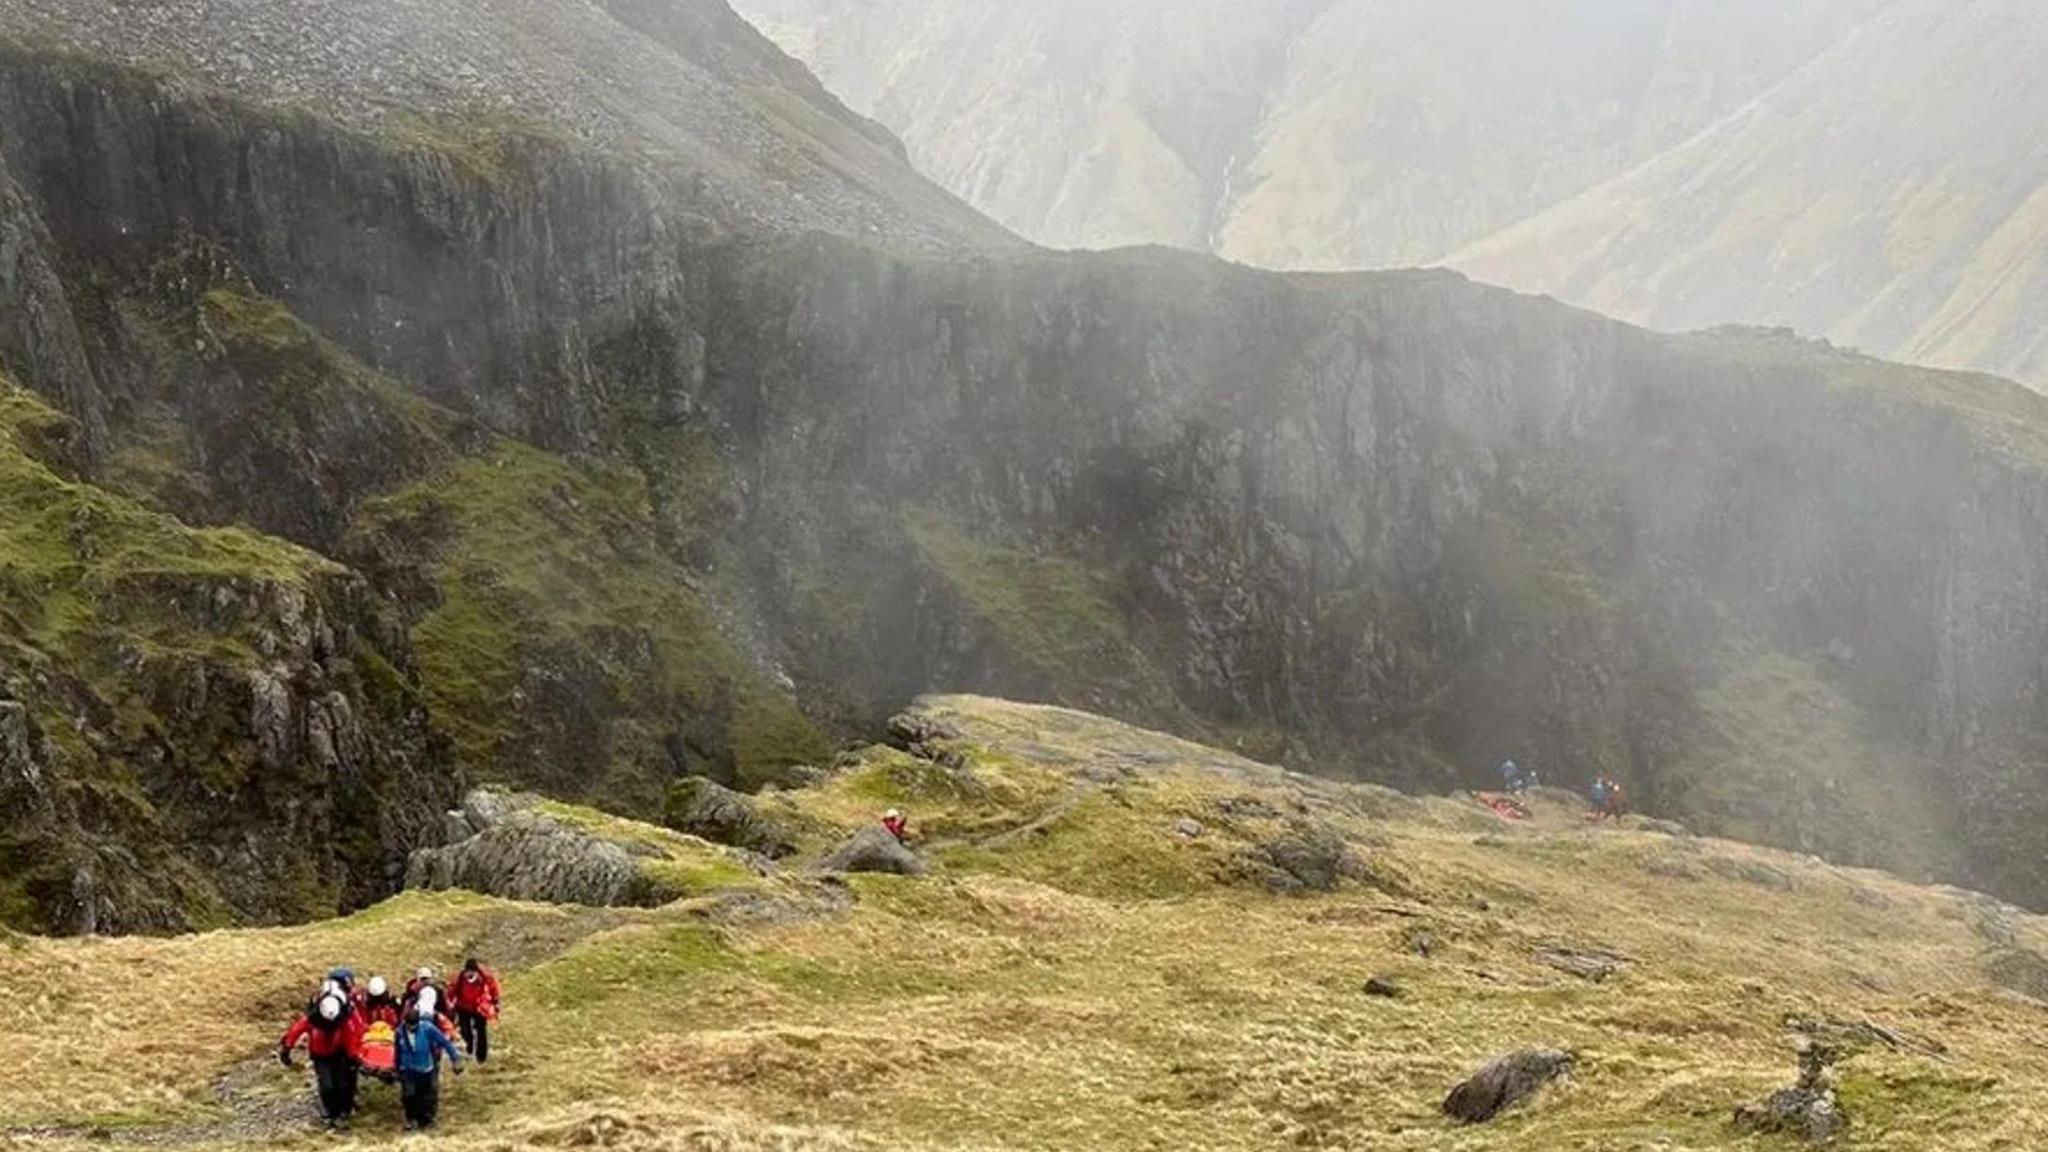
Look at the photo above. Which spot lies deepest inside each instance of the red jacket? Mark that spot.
(476, 993)
(344, 1039)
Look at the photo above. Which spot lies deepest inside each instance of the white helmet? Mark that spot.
(892, 814)
(329, 988)
(425, 973)
(330, 1008)
(378, 987)
(429, 1001)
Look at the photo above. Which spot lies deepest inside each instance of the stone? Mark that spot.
(519, 853)
(873, 850)
(1310, 857)
(1383, 987)
(1808, 1109)
(1586, 964)
(710, 811)
(1505, 1082)
(1187, 828)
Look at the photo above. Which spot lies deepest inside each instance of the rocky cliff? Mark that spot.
(628, 477)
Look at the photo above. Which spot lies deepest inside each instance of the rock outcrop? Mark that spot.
(505, 847)
(707, 809)
(518, 847)
(616, 452)
(1808, 1109)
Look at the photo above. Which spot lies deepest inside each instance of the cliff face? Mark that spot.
(622, 474)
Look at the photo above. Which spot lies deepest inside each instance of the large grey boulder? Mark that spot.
(1505, 1082)
(521, 853)
(710, 811)
(873, 850)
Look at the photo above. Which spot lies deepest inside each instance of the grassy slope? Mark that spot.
(1091, 980)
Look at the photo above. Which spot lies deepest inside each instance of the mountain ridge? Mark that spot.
(645, 488)
(1678, 165)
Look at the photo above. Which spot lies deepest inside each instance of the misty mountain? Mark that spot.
(1673, 163)
(1893, 194)
(400, 396)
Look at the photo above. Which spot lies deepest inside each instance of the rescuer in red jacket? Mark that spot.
(475, 1000)
(332, 1031)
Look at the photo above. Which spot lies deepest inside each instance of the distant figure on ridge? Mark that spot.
(898, 826)
(1613, 805)
(1513, 779)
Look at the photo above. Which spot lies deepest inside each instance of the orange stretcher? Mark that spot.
(380, 1050)
(1506, 807)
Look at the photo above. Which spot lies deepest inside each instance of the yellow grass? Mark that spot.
(1091, 980)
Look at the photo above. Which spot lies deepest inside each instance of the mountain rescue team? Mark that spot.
(349, 1030)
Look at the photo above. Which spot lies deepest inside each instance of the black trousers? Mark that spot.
(476, 1034)
(336, 1076)
(420, 1094)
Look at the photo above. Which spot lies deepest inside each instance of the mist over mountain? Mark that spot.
(549, 481)
(1865, 170)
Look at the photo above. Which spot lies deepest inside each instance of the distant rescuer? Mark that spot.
(333, 1032)
(1512, 779)
(475, 1001)
(897, 824)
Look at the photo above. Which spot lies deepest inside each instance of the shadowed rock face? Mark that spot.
(1382, 526)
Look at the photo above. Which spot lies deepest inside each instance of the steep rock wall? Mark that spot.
(1393, 526)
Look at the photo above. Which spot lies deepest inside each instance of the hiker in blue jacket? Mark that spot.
(421, 1044)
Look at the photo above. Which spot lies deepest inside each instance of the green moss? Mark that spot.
(537, 559)
(1783, 757)
(1053, 615)
(1912, 1099)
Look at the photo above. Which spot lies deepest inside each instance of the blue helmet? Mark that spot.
(346, 977)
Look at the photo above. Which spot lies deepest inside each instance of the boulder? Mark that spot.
(518, 852)
(1808, 1109)
(873, 850)
(1586, 964)
(1505, 1082)
(1383, 987)
(1187, 828)
(710, 811)
(1309, 857)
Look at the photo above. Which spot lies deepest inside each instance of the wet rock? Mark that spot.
(1505, 1082)
(1808, 1109)
(709, 810)
(873, 850)
(20, 775)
